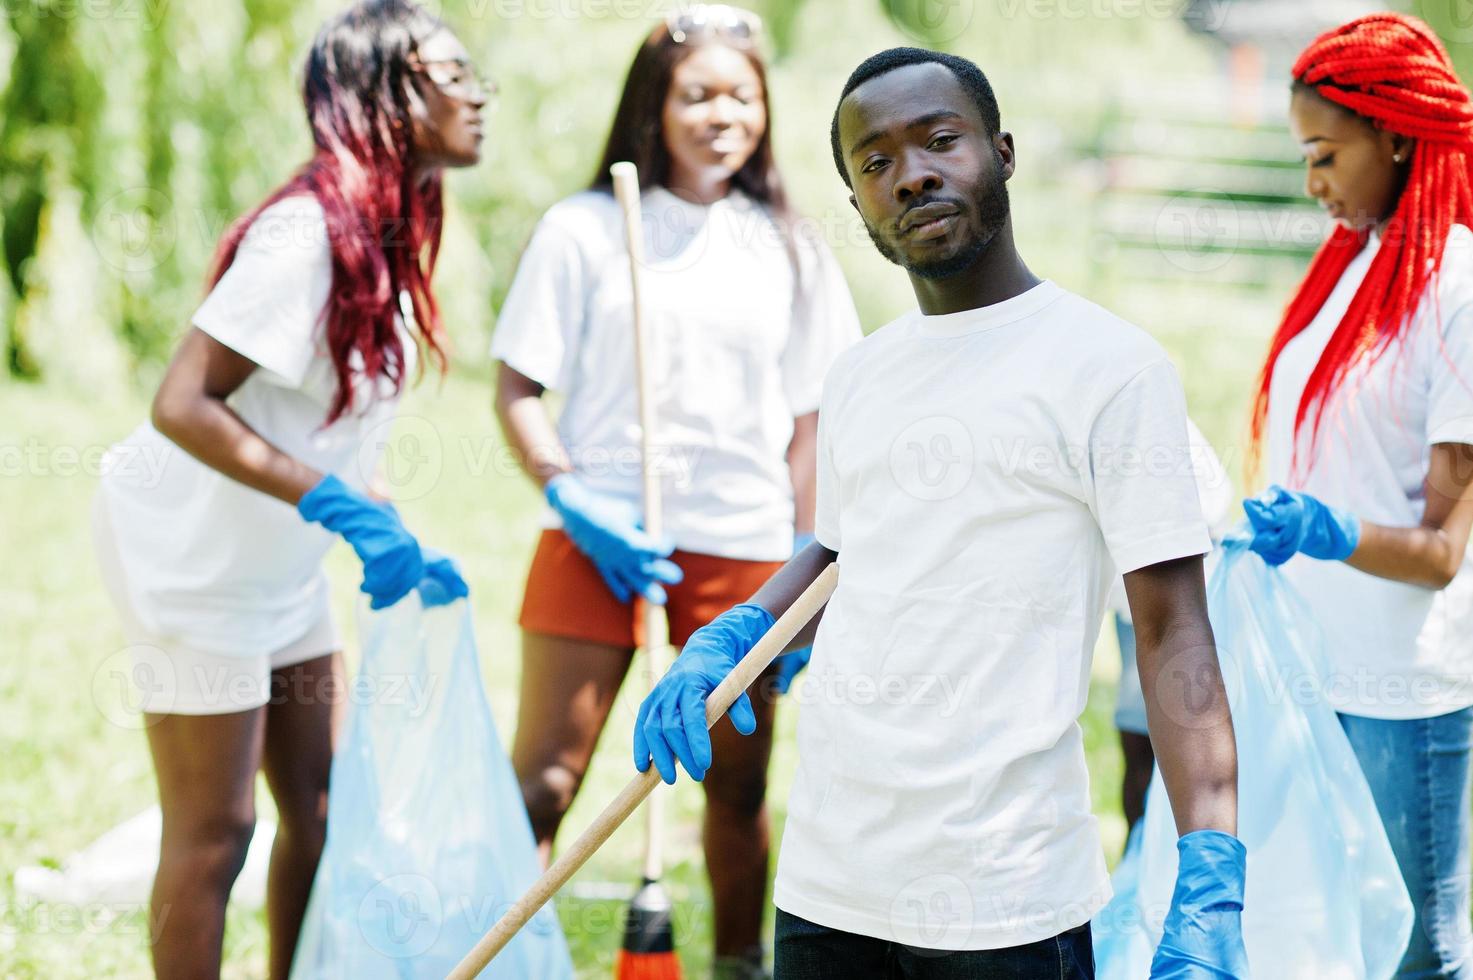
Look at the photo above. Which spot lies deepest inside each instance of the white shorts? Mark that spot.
(169, 678)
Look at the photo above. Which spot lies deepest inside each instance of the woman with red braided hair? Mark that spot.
(1366, 404)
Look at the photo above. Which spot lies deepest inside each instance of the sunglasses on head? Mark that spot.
(704, 21)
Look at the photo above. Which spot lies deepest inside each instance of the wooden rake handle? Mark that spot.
(753, 664)
(656, 623)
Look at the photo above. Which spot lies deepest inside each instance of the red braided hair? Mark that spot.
(1392, 70)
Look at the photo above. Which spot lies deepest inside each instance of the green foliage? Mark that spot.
(48, 108)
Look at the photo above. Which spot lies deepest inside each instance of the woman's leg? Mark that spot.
(735, 831)
(568, 687)
(306, 702)
(206, 767)
(1418, 771)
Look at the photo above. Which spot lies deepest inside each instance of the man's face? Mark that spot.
(927, 179)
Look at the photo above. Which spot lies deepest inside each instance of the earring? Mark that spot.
(1396, 157)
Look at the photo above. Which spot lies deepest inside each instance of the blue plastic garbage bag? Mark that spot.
(1324, 897)
(428, 840)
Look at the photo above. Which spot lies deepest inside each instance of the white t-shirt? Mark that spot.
(1214, 491)
(209, 562)
(735, 360)
(984, 476)
(1396, 650)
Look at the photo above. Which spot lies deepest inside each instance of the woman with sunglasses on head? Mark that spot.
(1366, 402)
(266, 417)
(746, 313)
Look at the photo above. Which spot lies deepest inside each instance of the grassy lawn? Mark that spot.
(76, 764)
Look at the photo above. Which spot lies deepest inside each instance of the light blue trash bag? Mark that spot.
(428, 840)
(1324, 899)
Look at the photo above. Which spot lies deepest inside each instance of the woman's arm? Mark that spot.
(189, 409)
(802, 464)
(1431, 553)
(527, 426)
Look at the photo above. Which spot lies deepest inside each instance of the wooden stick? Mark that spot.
(741, 677)
(656, 622)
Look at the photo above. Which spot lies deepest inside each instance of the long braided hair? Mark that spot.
(1393, 71)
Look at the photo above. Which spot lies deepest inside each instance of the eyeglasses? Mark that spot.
(704, 21)
(455, 76)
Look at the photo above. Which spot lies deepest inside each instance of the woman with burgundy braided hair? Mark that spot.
(265, 430)
(1366, 405)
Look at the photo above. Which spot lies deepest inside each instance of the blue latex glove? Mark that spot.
(671, 723)
(1203, 935)
(791, 663)
(442, 583)
(1286, 523)
(608, 531)
(392, 563)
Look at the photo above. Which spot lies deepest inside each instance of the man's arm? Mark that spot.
(1186, 703)
(788, 583)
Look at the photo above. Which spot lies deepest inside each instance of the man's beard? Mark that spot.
(992, 213)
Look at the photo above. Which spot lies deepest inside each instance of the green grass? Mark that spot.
(71, 773)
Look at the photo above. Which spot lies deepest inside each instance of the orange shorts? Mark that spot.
(567, 597)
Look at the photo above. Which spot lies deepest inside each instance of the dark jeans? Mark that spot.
(807, 951)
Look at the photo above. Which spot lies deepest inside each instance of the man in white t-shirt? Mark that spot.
(987, 465)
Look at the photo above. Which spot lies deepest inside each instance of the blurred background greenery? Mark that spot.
(1155, 176)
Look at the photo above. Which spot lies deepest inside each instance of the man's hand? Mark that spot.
(672, 721)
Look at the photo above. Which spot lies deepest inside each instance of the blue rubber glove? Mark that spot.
(671, 723)
(1286, 523)
(608, 531)
(1203, 934)
(392, 562)
(442, 583)
(791, 663)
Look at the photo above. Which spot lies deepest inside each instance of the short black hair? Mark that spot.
(973, 81)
